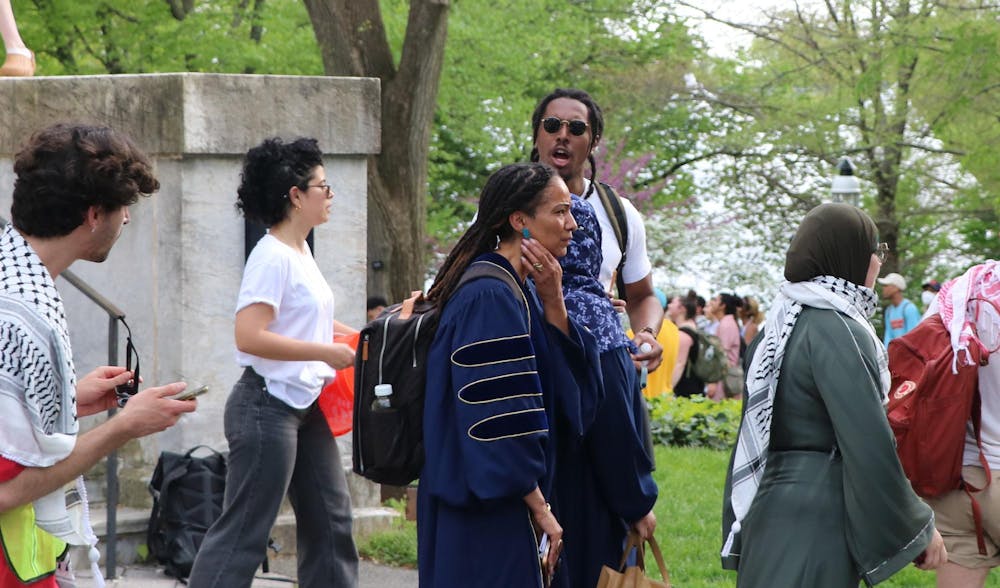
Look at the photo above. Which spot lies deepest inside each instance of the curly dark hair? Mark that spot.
(593, 113)
(269, 172)
(66, 168)
(512, 188)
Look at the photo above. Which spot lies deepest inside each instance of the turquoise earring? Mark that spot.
(526, 233)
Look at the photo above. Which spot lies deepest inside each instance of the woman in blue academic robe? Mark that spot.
(508, 374)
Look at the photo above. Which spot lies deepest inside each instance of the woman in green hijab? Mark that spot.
(815, 495)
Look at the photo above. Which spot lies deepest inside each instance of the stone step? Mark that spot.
(133, 483)
(132, 524)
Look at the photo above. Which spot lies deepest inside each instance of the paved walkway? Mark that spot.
(144, 576)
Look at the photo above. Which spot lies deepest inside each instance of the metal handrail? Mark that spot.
(111, 467)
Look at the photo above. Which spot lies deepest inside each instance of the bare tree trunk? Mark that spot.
(352, 41)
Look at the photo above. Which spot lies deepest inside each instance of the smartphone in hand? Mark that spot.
(543, 555)
(191, 393)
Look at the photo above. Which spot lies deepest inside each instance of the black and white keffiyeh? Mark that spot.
(750, 458)
(38, 424)
(37, 378)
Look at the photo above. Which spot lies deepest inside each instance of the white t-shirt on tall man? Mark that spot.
(290, 282)
(637, 265)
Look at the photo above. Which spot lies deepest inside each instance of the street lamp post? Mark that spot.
(845, 186)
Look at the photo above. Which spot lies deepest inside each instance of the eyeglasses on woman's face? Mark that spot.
(881, 250)
(552, 125)
(327, 189)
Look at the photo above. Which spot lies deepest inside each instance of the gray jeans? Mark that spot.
(274, 449)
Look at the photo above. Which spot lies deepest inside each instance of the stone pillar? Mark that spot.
(176, 270)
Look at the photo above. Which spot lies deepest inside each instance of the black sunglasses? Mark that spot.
(553, 124)
(127, 390)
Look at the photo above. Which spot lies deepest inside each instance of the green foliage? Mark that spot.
(503, 56)
(908, 93)
(911, 96)
(143, 36)
(396, 546)
(694, 422)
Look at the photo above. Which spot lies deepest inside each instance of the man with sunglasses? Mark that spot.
(566, 127)
(73, 186)
(604, 484)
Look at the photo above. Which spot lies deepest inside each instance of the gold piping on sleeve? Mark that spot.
(462, 389)
(471, 365)
(474, 425)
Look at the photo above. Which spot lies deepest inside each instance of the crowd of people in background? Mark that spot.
(736, 320)
(520, 379)
(731, 319)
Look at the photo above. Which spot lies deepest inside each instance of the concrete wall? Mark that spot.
(176, 270)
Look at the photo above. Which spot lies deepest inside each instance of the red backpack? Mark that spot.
(929, 410)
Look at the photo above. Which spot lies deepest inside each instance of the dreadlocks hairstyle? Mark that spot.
(593, 113)
(512, 188)
(269, 172)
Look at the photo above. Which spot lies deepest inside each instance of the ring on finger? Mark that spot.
(537, 266)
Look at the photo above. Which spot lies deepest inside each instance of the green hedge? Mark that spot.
(694, 422)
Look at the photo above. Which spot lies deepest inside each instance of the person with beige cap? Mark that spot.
(901, 315)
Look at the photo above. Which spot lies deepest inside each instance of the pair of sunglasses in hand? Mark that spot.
(127, 390)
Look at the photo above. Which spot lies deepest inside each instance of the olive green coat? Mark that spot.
(833, 507)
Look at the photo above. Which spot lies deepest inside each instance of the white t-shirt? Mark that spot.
(291, 283)
(637, 265)
(989, 389)
(988, 328)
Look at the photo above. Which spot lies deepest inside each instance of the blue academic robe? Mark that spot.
(502, 386)
(605, 479)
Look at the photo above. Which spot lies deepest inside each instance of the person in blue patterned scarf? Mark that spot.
(604, 485)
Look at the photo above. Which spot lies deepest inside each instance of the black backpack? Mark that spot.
(393, 348)
(187, 498)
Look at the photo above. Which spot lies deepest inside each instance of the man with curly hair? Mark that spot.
(72, 191)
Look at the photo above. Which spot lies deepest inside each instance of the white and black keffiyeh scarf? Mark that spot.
(38, 424)
(37, 378)
(750, 458)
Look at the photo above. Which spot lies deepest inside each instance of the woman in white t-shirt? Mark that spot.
(278, 439)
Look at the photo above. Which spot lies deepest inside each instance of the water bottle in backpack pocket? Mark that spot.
(388, 434)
